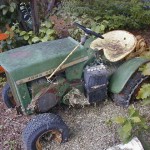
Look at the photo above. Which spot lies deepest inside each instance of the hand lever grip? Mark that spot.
(89, 31)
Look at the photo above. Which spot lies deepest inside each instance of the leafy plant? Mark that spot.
(46, 33)
(20, 37)
(93, 23)
(145, 69)
(8, 11)
(131, 125)
(144, 92)
(119, 14)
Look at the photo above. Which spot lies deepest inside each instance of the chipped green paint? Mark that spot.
(38, 60)
(123, 74)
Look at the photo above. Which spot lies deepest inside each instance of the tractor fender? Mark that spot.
(119, 79)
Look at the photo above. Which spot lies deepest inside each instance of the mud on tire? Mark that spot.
(7, 96)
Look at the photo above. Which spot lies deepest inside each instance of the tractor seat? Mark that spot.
(116, 44)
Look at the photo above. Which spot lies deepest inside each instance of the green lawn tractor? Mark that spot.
(39, 76)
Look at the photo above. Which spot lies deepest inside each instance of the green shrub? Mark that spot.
(20, 38)
(131, 125)
(8, 11)
(144, 92)
(120, 14)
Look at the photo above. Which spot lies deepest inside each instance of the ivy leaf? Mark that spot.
(144, 123)
(124, 136)
(22, 33)
(146, 69)
(119, 120)
(43, 30)
(9, 42)
(125, 132)
(30, 41)
(11, 9)
(13, 28)
(26, 37)
(52, 38)
(136, 119)
(97, 18)
(50, 31)
(45, 39)
(97, 29)
(144, 92)
(48, 24)
(35, 39)
(93, 26)
(127, 127)
(2, 6)
(13, 5)
(146, 101)
(102, 27)
(5, 10)
(30, 32)
(131, 110)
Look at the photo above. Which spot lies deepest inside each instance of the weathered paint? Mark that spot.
(45, 73)
(75, 72)
(29, 62)
(34, 59)
(123, 74)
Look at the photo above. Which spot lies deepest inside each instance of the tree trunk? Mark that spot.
(35, 16)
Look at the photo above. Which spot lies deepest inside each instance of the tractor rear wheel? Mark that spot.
(130, 90)
(7, 96)
(44, 128)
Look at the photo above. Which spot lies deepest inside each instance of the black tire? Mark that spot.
(130, 89)
(41, 124)
(7, 96)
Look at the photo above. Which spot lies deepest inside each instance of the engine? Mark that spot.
(96, 81)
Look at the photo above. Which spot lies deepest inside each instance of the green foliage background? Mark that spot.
(100, 16)
(131, 125)
(131, 14)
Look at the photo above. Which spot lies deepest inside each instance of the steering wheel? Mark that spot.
(88, 31)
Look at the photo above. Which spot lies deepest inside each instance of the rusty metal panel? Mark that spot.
(33, 59)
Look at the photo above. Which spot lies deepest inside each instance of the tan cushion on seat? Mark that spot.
(116, 44)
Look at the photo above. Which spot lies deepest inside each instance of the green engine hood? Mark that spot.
(123, 74)
(31, 60)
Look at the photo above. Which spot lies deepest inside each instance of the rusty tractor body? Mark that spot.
(27, 70)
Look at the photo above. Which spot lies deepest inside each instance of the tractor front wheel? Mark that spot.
(7, 96)
(44, 128)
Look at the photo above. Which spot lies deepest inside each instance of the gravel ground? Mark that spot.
(89, 128)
